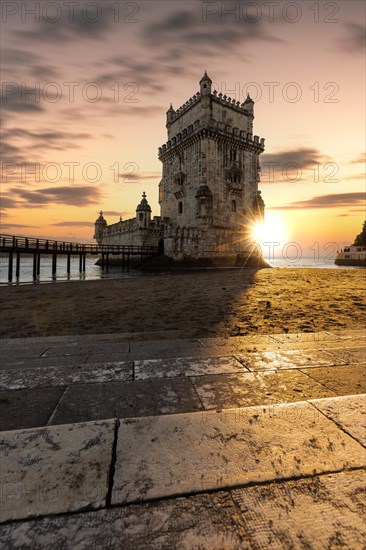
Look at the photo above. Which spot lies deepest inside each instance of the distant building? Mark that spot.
(208, 193)
(352, 255)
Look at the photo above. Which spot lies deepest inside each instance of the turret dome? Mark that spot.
(144, 205)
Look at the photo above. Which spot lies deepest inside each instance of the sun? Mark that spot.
(272, 230)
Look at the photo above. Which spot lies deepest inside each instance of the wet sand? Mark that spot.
(192, 304)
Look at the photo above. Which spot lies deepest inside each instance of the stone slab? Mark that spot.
(108, 358)
(204, 522)
(43, 377)
(56, 469)
(29, 363)
(161, 349)
(28, 408)
(81, 403)
(8, 354)
(87, 349)
(321, 512)
(348, 412)
(343, 380)
(351, 355)
(291, 337)
(291, 359)
(186, 366)
(325, 511)
(190, 453)
(352, 334)
(256, 388)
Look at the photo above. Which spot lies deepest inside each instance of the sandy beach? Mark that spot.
(191, 304)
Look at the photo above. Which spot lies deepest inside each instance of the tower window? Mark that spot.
(180, 207)
(233, 206)
(233, 154)
(141, 216)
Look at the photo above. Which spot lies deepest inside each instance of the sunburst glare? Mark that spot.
(272, 230)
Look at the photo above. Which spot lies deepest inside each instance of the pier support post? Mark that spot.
(107, 263)
(84, 263)
(54, 264)
(17, 266)
(123, 262)
(34, 266)
(68, 264)
(38, 264)
(10, 267)
(102, 261)
(80, 263)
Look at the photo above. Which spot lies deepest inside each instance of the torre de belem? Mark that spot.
(208, 193)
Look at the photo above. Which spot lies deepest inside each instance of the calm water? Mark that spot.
(93, 271)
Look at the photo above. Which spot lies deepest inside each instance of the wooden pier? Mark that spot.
(15, 246)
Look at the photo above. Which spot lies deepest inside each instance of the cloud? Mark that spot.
(361, 159)
(16, 100)
(7, 201)
(12, 225)
(73, 224)
(113, 213)
(191, 27)
(337, 200)
(354, 40)
(304, 157)
(78, 195)
(92, 23)
(140, 176)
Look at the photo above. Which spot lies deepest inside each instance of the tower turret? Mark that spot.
(99, 226)
(170, 114)
(205, 84)
(143, 212)
(249, 104)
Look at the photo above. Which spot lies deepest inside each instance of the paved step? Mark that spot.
(189, 453)
(324, 511)
(86, 466)
(31, 397)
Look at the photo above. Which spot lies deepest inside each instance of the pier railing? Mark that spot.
(13, 244)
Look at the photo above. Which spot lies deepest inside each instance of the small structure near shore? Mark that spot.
(355, 254)
(208, 193)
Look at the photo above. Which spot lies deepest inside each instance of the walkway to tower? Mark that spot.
(115, 441)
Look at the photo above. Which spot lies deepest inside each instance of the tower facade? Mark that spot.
(209, 186)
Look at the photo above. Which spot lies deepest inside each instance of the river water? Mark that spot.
(93, 272)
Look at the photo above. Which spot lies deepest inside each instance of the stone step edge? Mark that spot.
(211, 412)
(134, 336)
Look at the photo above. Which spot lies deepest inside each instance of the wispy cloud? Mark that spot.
(354, 39)
(77, 195)
(336, 200)
(303, 157)
(76, 27)
(73, 224)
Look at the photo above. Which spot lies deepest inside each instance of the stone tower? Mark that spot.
(99, 226)
(209, 186)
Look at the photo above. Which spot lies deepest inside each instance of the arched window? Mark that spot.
(180, 207)
(233, 206)
(141, 216)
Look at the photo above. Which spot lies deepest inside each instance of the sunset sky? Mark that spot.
(104, 73)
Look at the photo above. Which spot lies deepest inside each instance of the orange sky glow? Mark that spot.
(85, 92)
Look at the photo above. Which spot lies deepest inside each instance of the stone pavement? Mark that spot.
(116, 441)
